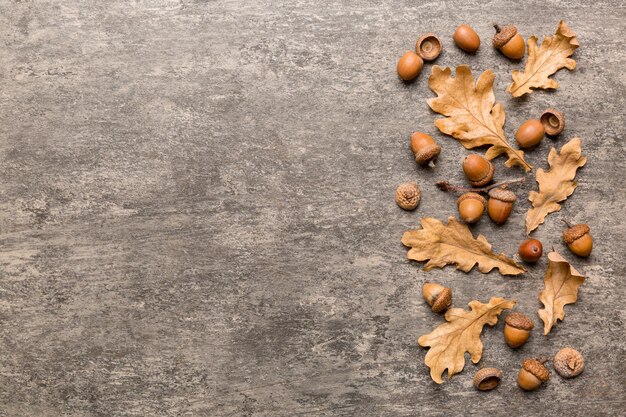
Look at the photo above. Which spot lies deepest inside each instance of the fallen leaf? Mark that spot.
(449, 341)
(454, 244)
(552, 55)
(473, 119)
(556, 184)
(561, 283)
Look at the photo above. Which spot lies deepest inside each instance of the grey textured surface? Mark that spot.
(197, 214)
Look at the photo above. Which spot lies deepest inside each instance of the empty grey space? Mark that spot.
(197, 211)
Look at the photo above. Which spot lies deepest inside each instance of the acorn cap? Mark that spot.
(443, 300)
(428, 46)
(471, 196)
(487, 378)
(429, 153)
(553, 122)
(575, 233)
(408, 195)
(537, 369)
(503, 194)
(519, 321)
(486, 179)
(503, 35)
(569, 362)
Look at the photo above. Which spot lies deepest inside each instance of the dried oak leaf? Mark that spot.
(561, 283)
(454, 244)
(556, 184)
(449, 341)
(473, 119)
(552, 55)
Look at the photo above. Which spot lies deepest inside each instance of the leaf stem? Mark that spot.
(446, 186)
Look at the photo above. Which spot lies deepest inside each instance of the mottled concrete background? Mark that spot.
(197, 214)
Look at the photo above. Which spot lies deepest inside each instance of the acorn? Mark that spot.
(487, 379)
(437, 296)
(424, 147)
(409, 66)
(428, 46)
(553, 122)
(509, 42)
(471, 207)
(568, 362)
(478, 170)
(578, 239)
(466, 38)
(517, 329)
(530, 250)
(500, 204)
(530, 133)
(532, 375)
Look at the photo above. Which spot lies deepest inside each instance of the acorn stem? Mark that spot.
(497, 28)
(567, 223)
(446, 186)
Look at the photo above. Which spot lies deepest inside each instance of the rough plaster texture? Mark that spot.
(197, 215)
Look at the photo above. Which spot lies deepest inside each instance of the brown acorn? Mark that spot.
(409, 66)
(553, 122)
(428, 46)
(578, 239)
(517, 329)
(530, 133)
(478, 170)
(424, 147)
(487, 379)
(500, 204)
(532, 375)
(437, 296)
(466, 38)
(471, 207)
(530, 250)
(509, 42)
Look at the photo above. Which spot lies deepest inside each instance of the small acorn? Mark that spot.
(532, 375)
(409, 66)
(553, 122)
(500, 204)
(466, 38)
(428, 46)
(530, 133)
(478, 170)
(408, 195)
(424, 147)
(437, 296)
(509, 42)
(530, 250)
(578, 239)
(569, 362)
(471, 207)
(487, 379)
(517, 329)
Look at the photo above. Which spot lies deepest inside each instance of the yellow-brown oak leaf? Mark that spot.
(555, 184)
(473, 117)
(560, 287)
(450, 341)
(453, 243)
(553, 54)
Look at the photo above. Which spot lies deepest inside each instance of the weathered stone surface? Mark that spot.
(197, 211)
